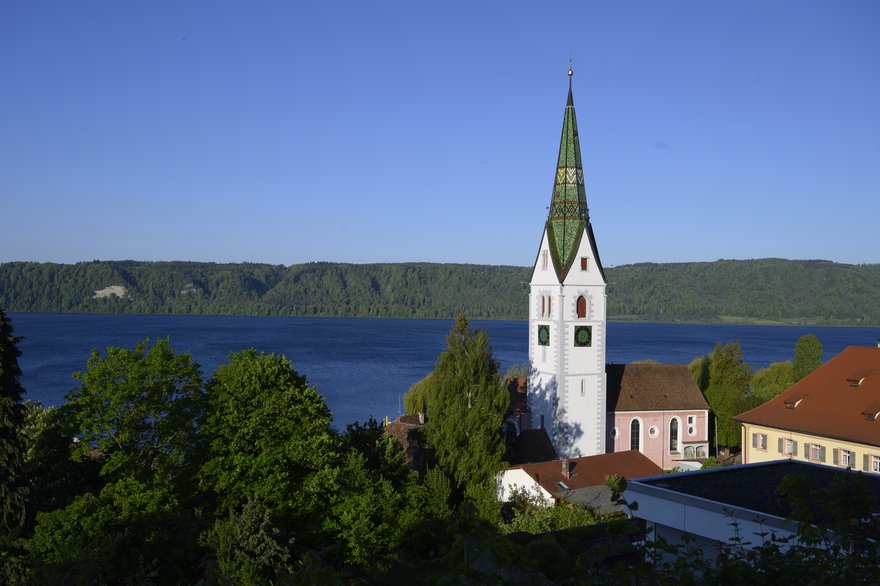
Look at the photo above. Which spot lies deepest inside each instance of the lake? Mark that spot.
(364, 366)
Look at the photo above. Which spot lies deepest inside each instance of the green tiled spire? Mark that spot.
(568, 207)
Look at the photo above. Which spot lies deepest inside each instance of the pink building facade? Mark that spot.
(666, 437)
(658, 410)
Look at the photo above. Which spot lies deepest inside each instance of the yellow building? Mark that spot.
(830, 417)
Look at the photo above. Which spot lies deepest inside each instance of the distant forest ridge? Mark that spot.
(772, 291)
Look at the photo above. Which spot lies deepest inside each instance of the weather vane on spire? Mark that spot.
(570, 72)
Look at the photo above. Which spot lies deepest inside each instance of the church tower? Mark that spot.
(567, 313)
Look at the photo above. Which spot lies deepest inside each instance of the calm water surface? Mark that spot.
(363, 366)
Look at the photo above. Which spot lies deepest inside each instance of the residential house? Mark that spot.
(832, 416)
(579, 480)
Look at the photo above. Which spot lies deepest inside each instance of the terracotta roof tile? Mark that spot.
(401, 427)
(827, 403)
(652, 387)
(589, 470)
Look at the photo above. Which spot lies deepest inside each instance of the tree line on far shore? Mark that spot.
(747, 291)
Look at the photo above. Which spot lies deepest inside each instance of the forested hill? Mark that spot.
(765, 290)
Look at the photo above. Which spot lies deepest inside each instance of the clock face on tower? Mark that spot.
(543, 335)
(583, 336)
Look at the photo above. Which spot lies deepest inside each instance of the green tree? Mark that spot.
(271, 441)
(466, 403)
(54, 478)
(729, 381)
(129, 533)
(532, 513)
(426, 516)
(250, 549)
(364, 513)
(769, 382)
(12, 485)
(416, 398)
(140, 412)
(807, 356)
(699, 369)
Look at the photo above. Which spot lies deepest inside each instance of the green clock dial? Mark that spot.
(583, 336)
(544, 335)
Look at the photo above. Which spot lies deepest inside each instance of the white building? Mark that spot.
(579, 480)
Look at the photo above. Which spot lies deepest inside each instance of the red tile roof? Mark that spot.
(401, 427)
(832, 402)
(589, 470)
(652, 387)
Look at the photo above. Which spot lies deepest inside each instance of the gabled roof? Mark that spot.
(589, 470)
(569, 218)
(836, 400)
(652, 387)
(402, 426)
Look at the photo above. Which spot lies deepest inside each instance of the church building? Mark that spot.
(568, 389)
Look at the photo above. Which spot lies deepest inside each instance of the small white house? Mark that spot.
(580, 480)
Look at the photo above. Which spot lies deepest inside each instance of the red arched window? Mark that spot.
(582, 307)
(542, 306)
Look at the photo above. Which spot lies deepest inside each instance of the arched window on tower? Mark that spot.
(635, 439)
(582, 307)
(543, 298)
(549, 306)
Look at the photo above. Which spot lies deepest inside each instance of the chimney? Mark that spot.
(566, 469)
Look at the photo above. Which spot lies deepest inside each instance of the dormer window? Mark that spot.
(793, 401)
(544, 255)
(872, 411)
(857, 376)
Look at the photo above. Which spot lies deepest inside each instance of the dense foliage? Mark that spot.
(757, 291)
(731, 387)
(314, 289)
(761, 291)
(807, 357)
(465, 400)
(12, 507)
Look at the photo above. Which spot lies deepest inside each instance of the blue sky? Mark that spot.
(287, 132)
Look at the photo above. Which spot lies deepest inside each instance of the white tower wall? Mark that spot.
(567, 389)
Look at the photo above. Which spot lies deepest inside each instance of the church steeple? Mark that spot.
(568, 215)
(567, 390)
